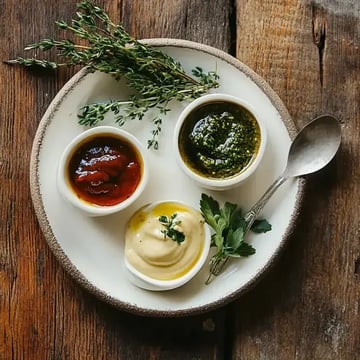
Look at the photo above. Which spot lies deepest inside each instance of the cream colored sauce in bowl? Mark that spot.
(157, 260)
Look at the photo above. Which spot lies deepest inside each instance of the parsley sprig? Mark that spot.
(229, 228)
(155, 77)
(170, 222)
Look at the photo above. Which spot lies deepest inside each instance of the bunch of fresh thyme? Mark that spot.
(155, 76)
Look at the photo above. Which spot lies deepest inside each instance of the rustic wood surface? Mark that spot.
(308, 305)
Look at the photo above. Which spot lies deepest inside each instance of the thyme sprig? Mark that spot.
(155, 77)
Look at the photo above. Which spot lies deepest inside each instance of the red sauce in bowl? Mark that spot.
(105, 170)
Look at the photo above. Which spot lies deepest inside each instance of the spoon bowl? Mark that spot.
(314, 146)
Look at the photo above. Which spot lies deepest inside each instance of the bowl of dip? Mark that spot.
(166, 245)
(102, 171)
(219, 141)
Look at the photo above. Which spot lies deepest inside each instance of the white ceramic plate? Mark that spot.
(91, 249)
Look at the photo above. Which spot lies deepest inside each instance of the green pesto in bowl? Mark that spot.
(219, 139)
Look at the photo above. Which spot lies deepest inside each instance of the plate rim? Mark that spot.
(54, 245)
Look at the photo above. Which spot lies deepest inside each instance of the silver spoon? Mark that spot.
(312, 149)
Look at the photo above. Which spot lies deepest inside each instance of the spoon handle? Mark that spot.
(254, 212)
(218, 265)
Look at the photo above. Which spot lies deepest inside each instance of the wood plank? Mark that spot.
(307, 307)
(190, 20)
(43, 313)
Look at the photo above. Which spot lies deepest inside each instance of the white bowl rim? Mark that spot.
(245, 173)
(92, 209)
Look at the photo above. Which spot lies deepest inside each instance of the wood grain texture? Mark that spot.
(204, 21)
(309, 53)
(308, 305)
(43, 313)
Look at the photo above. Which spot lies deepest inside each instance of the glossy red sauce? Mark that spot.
(105, 171)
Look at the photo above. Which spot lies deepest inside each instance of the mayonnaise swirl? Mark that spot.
(152, 253)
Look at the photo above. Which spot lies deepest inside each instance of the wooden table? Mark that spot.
(308, 305)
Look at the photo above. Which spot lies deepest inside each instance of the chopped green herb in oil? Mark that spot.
(219, 139)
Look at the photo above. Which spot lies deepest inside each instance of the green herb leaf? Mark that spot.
(227, 212)
(209, 206)
(170, 231)
(237, 219)
(219, 227)
(210, 210)
(244, 249)
(164, 219)
(213, 215)
(234, 239)
(261, 226)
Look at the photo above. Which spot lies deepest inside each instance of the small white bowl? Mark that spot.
(148, 283)
(236, 179)
(63, 178)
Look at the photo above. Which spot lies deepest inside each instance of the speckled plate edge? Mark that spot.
(46, 227)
